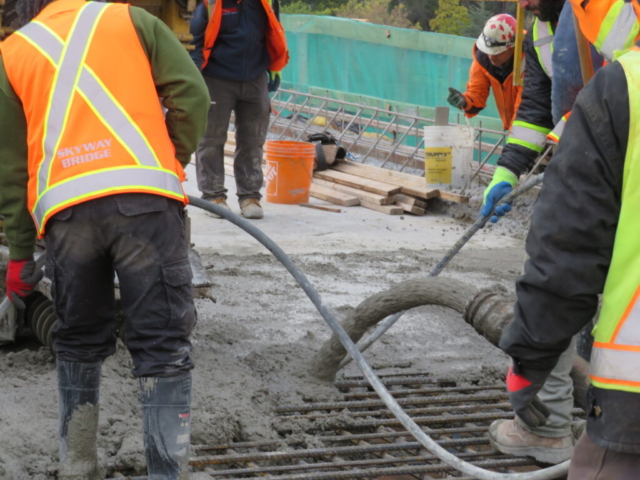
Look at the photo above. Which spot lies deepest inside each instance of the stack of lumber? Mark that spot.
(350, 184)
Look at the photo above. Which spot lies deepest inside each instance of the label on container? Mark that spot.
(437, 163)
(271, 178)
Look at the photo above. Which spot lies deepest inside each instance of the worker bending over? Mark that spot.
(240, 47)
(574, 257)
(492, 69)
(91, 163)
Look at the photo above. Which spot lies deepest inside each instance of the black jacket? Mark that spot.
(535, 108)
(570, 245)
(240, 50)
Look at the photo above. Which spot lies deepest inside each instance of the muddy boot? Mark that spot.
(79, 390)
(509, 436)
(221, 202)
(166, 418)
(250, 208)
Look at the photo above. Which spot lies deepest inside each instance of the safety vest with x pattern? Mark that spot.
(615, 359)
(95, 125)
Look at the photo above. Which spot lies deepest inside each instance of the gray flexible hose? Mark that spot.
(428, 443)
(388, 322)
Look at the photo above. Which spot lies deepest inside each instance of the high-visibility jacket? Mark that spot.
(95, 124)
(615, 359)
(610, 25)
(543, 34)
(275, 37)
(481, 81)
(529, 135)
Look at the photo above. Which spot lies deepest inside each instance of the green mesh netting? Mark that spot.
(408, 70)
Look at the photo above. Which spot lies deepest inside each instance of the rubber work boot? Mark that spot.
(79, 391)
(509, 436)
(250, 208)
(166, 420)
(220, 202)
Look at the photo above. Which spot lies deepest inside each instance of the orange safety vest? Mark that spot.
(95, 126)
(609, 25)
(275, 36)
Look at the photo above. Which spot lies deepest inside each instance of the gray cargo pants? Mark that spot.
(252, 106)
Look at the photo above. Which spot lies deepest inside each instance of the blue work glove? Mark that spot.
(501, 185)
(523, 386)
(274, 81)
(456, 99)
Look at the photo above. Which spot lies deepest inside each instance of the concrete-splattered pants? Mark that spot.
(250, 102)
(142, 238)
(593, 462)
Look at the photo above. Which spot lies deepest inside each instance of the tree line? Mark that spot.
(454, 17)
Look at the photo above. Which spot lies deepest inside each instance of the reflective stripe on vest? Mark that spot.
(618, 30)
(615, 361)
(528, 135)
(73, 75)
(556, 133)
(543, 44)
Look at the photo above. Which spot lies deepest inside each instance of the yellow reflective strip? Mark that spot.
(125, 113)
(523, 143)
(49, 30)
(75, 82)
(50, 103)
(37, 47)
(607, 23)
(113, 132)
(531, 126)
(94, 172)
(77, 199)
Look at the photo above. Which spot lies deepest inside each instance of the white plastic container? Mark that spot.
(448, 155)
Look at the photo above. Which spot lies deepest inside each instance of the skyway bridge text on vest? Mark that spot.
(86, 152)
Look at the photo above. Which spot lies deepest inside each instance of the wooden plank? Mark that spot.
(408, 183)
(361, 183)
(320, 207)
(362, 195)
(411, 208)
(453, 197)
(410, 200)
(388, 209)
(332, 196)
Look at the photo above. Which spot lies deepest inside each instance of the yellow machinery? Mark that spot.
(175, 13)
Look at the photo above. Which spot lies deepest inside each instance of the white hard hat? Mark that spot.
(498, 35)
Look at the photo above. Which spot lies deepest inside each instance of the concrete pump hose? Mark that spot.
(471, 231)
(426, 441)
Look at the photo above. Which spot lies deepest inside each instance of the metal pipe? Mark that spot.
(517, 54)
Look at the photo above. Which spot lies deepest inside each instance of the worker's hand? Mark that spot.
(501, 185)
(22, 278)
(274, 81)
(523, 388)
(456, 99)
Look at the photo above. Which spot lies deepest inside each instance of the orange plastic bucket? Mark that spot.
(289, 171)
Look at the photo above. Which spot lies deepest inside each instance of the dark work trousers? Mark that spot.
(590, 461)
(142, 238)
(252, 106)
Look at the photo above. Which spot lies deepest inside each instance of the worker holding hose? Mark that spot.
(92, 164)
(575, 257)
(491, 70)
(554, 441)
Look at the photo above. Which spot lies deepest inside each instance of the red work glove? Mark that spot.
(523, 388)
(22, 278)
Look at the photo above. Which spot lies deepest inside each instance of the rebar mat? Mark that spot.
(359, 438)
